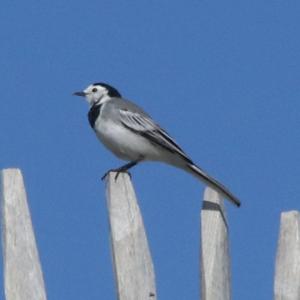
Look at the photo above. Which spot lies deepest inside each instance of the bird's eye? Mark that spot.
(94, 90)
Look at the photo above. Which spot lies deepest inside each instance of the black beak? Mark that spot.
(81, 94)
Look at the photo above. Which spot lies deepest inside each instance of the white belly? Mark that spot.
(124, 143)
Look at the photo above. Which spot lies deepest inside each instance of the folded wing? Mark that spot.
(146, 127)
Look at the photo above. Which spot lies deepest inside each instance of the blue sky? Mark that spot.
(221, 77)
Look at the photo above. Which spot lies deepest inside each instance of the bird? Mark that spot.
(132, 135)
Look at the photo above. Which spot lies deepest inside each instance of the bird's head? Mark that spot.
(98, 93)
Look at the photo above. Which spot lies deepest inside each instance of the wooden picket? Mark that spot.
(214, 254)
(287, 269)
(133, 266)
(23, 278)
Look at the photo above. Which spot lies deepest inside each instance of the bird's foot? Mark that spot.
(117, 171)
(122, 169)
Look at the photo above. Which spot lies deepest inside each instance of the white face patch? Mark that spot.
(96, 94)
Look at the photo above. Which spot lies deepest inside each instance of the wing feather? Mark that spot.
(146, 127)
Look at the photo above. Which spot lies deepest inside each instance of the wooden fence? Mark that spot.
(133, 267)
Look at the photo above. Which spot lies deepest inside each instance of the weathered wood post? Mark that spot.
(287, 269)
(134, 273)
(214, 254)
(23, 279)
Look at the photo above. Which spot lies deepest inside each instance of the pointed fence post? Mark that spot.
(134, 273)
(287, 270)
(23, 277)
(214, 256)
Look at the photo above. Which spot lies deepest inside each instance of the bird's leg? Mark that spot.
(121, 169)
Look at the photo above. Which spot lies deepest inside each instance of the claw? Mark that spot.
(117, 175)
(121, 171)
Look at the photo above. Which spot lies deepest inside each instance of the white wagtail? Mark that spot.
(132, 135)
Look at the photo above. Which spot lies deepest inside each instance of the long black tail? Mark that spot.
(196, 171)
